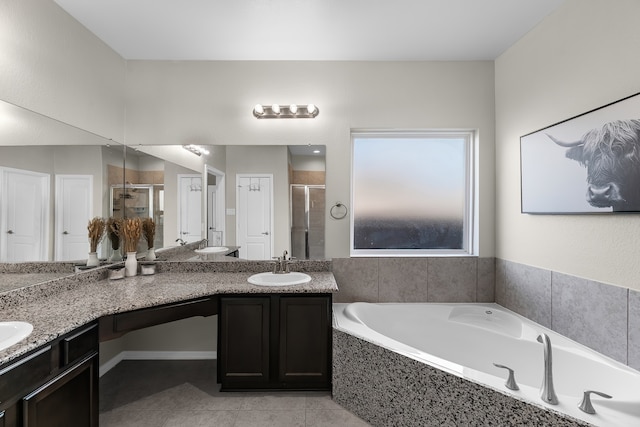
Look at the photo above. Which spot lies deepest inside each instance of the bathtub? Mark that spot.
(465, 340)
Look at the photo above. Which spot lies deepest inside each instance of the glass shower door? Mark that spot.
(307, 221)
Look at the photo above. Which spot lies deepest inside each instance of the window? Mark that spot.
(412, 193)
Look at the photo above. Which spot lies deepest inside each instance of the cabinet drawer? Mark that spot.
(79, 344)
(25, 373)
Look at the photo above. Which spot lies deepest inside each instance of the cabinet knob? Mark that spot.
(10, 232)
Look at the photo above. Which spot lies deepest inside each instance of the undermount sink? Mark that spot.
(13, 332)
(212, 250)
(283, 279)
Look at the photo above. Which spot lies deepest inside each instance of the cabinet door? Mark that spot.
(244, 341)
(304, 342)
(68, 400)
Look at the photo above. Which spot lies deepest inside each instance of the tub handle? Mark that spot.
(585, 404)
(511, 381)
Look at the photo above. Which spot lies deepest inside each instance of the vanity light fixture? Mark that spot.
(196, 149)
(290, 111)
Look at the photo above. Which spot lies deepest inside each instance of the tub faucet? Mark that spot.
(547, 393)
(182, 242)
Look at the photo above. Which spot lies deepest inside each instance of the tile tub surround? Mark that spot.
(388, 389)
(419, 279)
(600, 316)
(65, 308)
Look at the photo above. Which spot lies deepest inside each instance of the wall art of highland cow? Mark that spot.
(587, 164)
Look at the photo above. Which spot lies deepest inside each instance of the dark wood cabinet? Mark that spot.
(68, 400)
(245, 340)
(274, 342)
(304, 341)
(55, 385)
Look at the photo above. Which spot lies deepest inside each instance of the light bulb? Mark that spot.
(311, 108)
(293, 108)
(258, 109)
(275, 108)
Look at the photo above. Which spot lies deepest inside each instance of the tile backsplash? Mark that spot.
(456, 279)
(599, 315)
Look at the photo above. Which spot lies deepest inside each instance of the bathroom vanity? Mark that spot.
(53, 374)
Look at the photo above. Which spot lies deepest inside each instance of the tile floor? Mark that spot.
(185, 394)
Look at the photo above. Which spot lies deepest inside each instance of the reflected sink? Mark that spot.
(13, 332)
(286, 279)
(212, 250)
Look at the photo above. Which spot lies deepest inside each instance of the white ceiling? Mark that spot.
(310, 29)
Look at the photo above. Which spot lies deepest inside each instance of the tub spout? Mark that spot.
(547, 392)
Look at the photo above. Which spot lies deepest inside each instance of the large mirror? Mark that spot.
(261, 199)
(54, 177)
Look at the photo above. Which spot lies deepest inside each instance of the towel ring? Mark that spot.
(336, 211)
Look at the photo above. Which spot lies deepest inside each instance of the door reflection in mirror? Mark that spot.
(254, 215)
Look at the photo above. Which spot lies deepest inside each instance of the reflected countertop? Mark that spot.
(190, 255)
(57, 307)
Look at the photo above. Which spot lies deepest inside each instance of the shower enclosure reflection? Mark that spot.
(307, 221)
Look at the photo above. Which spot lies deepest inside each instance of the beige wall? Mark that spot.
(53, 65)
(211, 102)
(581, 57)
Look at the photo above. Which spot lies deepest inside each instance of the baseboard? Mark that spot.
(155, 355)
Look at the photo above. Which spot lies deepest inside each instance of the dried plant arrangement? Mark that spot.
(96, 229)
(131, 230)
(149, 231)
(114, 231)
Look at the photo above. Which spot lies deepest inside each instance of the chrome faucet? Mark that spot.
(182, 242)
(547, 392)
(282, 264)
(203, 244)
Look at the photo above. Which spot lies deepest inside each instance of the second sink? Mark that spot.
(13, 332)
(286, 279)
(212, 250)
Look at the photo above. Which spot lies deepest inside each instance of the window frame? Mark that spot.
(470, 217)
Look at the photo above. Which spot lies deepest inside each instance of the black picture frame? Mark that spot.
(587, 164)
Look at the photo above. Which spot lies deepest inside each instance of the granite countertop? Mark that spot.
(9, 281)
(69, 306)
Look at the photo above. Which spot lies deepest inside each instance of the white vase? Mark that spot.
(93, 260)
(116, 256)
(151, 255)
(131, 265)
